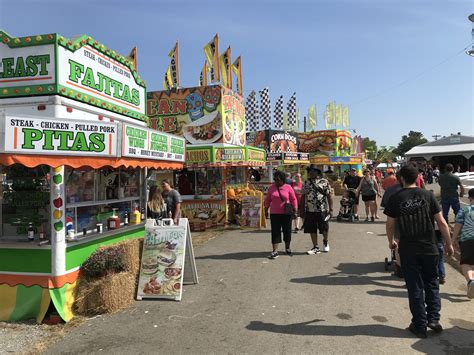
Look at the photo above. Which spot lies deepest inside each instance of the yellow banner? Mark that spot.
(211, 50)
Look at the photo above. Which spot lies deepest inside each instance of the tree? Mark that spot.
(409, 141)
(386, 154)
(370, 147)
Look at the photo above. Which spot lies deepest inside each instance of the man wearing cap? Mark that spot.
(317, 208)
(352, 182)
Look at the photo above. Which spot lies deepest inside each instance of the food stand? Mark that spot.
(212, 120)
(74, 154)
(282, 153)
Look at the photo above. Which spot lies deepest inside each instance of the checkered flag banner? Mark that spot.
(251, 112)
(278, 114)
(265, 109)
(292, 119)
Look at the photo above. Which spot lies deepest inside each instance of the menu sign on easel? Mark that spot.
(167, 261)
(251, 211)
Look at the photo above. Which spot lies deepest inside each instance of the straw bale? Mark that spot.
(105, 295)
(132, 249)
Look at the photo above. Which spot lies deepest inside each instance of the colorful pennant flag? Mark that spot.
(312, 118)
(174, 65)
(330, 108)
(345, 117)
(237, 69)
(278, 113)
(226, 68)
(203, 76)
(133, 57)
(167, 80)
(212, 55)
(338, 120)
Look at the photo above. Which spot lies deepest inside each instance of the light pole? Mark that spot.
(471, 51)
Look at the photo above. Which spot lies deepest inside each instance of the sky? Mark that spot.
(398, 64)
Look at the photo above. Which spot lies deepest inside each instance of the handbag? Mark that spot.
(287, 207)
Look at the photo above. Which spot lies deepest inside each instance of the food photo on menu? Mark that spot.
(162, 265)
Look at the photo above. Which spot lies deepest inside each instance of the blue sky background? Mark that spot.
(355, 52)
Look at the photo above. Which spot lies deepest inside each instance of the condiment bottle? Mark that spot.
(114, 221)
(42, 234)
(31, 232)
(125, 218)
(136, 218)
(142, 216)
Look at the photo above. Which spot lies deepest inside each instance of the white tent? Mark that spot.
(448, 146)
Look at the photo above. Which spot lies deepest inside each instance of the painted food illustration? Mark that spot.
(205, 130)
(166, 257)
(228, 129)
(172, 272)
(322, 144)
(152, 287)
(150, 265)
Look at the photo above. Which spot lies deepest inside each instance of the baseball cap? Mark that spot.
(312, 168)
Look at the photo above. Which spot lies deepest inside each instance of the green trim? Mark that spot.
(98, 102)
(25, 260)
(77, 254)
(29, 90)
(28, 41)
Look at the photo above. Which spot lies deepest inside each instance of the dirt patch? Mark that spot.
(200, 238)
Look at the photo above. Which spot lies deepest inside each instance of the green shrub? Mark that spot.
(104, 261)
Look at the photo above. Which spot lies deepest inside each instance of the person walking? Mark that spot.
(298, 188)
(172, 199)
(318, 208)
(390, 180)
(449, 184)
(352, 181)
(278, 199)
(464, 232)
(418, 249)
(156, 206)
(369, 189)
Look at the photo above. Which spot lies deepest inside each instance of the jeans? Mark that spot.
(446, 203)
(441, 270)
(421, 277)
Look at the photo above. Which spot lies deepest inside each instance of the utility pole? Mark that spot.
(436, 136)
(471, 51)
(304, 124)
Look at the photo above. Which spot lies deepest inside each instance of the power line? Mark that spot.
(382, 92)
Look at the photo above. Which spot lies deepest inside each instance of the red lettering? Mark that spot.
(179, 107)
(164, 107)
(169, 124)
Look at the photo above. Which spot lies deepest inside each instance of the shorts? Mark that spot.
(467, 252)
(314, 221)
(367, 198)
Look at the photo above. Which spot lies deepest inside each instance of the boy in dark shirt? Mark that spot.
(352, 182)
(414, 210)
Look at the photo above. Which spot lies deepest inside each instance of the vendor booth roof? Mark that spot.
(31, 161)
(453, 145)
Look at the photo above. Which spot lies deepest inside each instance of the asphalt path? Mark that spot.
(337, 302)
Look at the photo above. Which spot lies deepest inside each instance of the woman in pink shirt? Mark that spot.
(278, 195)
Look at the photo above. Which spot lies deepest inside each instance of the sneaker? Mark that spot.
(372, 219)
(418, 333)
(442, 280)
(288, 252)
(367, 219)
(435, 326)
(326, 246)
(274, 255)
(470, 289)
(313, 251)
(296, 230)
(356, 217)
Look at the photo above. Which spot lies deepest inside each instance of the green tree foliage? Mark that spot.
(370, 147)
(409, 141)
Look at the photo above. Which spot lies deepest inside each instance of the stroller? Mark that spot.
(346, 210)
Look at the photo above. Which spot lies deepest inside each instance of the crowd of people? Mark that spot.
(417, 226)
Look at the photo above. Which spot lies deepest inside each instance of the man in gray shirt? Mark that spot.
(172, 199)
(449, 184)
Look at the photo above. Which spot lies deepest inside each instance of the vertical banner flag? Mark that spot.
(133, 57)
(226, 68)
(203, 76)
(292, 116)
(312, 118)
(285, 121)
(174, 65)
(265, 109)
(278, 114)
(212, 55)
(345, 116)
(167, 81)
(251, 112)
(327, 119)
(338, 116)
(237, 69)
(329, 114)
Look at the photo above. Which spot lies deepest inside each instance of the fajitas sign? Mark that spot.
(50, 137)
(198, 155)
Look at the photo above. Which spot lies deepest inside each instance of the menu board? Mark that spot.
(163, 261)
(251, 211)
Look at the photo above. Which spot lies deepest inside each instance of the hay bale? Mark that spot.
(132, 251)
(105, 295)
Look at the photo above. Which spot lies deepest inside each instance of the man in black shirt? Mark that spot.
(352, 182)
(414, 211)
